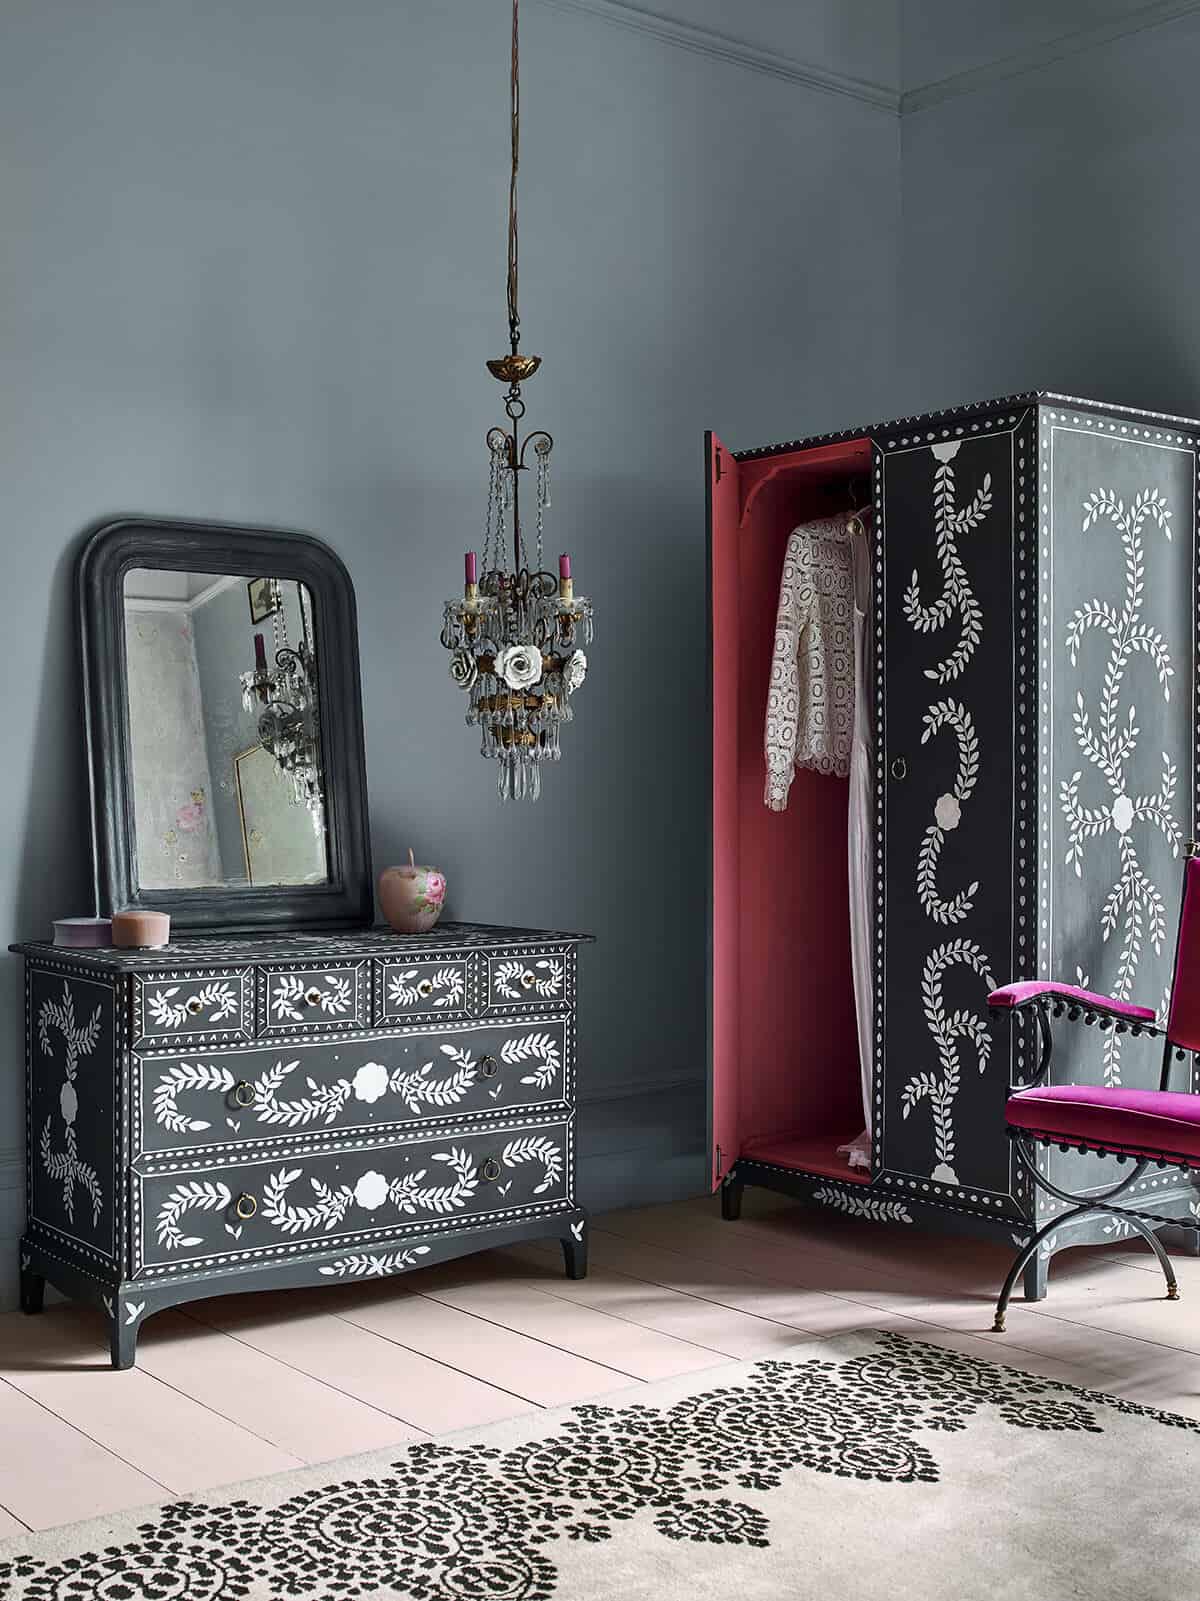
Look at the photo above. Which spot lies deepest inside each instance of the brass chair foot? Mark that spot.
(998, 1323)
(1172, 1292)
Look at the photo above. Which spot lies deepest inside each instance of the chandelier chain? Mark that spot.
(514, 317)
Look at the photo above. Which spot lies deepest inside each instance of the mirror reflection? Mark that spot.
(225, 741)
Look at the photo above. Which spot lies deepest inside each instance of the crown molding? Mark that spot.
(724, 47)
(1153, 15)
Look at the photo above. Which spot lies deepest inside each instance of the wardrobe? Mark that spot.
(1033, 638)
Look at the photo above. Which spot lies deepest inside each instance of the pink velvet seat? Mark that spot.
(1161, 1124)
(1012, 995)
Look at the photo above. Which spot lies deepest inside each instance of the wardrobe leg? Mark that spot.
(33, 1291)
(731, 1200)
(1036, 1276)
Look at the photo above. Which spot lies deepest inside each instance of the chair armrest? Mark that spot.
(1075, 1001)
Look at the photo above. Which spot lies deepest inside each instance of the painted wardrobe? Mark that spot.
(1033, 633)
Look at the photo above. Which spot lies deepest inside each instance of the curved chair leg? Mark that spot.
(1160, 1251)
(1026, 1255)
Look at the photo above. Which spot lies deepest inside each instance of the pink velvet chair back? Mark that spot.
(1183, 1024)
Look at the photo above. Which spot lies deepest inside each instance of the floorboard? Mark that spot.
(249, 1384)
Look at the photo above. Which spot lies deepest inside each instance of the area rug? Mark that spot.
(868, 1466)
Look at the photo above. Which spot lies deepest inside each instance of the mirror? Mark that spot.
(223, 730)
(223, 704)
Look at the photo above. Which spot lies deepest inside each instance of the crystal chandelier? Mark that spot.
(516, 636)
(287, 693)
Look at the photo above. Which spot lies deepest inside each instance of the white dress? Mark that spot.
(861, 840)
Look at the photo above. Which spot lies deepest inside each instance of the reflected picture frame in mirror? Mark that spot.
(117, 549)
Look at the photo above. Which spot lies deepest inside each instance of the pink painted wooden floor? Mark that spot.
(255, 1384)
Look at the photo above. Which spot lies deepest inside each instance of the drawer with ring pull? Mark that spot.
(349, 1196)
(258, 1092)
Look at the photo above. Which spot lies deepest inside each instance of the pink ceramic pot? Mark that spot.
(412, 897)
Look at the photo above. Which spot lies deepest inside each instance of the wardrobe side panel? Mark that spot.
(723, 511)
(1117, 628)
(948, 574)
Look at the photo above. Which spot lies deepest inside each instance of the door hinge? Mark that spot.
(717, 464)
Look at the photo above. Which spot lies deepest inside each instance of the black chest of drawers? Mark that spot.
(236, 1114)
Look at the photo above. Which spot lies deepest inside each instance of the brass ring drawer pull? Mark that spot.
(246, 1206)
(243, 1093)
(491, 1170)
(489, 1067)
(899, 768)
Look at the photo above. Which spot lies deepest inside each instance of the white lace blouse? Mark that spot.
(810, 702)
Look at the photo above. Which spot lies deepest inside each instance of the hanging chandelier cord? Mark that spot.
(514, 318)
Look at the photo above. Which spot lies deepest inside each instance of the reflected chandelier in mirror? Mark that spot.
(225, 726)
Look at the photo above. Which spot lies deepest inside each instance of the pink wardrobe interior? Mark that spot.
(786, 1083)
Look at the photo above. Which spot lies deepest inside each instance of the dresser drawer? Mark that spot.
(328, 999)
(209, 1005)
(260, 1091)
(424, 987)
(537, 981)
(282, 1206)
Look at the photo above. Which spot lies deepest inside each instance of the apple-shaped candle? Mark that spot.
(412, 897)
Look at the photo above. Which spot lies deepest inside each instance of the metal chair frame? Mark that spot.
(1144, 1223)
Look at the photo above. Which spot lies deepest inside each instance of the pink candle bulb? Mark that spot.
(566, 590)
(471, 567)
(260, 652)
(564, 565)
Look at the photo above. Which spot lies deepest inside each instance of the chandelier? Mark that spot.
(516, 636)
(288, 727)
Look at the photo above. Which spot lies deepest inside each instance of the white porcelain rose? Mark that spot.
(371, 1191)
(575, 671)
(947, 812)
(370, 1082)
(462, 668)
(519, 665)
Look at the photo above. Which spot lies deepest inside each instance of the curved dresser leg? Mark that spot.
(1036, 1277)
(122, 1340)
(575, 1249)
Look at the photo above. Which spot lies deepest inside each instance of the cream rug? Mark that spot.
(863, 1467)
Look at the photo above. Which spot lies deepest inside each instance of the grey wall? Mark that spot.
(1049, 230)
(252, 265)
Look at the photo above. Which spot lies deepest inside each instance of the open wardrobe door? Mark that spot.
(723, 507)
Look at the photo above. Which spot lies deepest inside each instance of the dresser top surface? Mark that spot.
(310, 945)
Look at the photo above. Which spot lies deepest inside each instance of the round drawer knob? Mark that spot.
(243, 1093)
(899, 768)
(312, 996)
(194, 1004)
(489, 1067)
(491, 1170)
(425, 988)
(528, 979)
(246, 1206)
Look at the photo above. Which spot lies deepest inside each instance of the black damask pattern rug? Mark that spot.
(870, 1465)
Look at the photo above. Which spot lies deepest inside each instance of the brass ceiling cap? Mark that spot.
(514, 369)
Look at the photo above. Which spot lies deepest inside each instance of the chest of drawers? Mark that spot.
(233, 1114)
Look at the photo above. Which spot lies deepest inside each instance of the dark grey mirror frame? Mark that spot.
(346, 900)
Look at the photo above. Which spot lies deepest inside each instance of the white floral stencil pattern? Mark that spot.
(66, 1165)
(947, 813)
(211, 1003)
(1134, 908)
(941, 1088)
(957, 594)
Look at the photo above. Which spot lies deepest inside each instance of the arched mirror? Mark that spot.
(224, 726)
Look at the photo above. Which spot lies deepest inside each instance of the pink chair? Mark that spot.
(1159, 1127)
